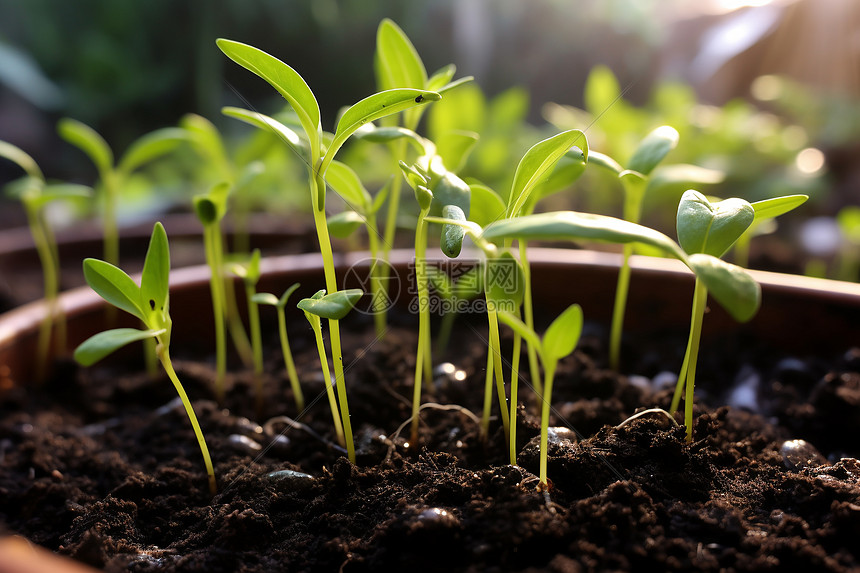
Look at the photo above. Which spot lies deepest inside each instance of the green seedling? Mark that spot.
(398, 65)
(35, 193)
(711, 228)
(281, 304)
(559, 340)
(316, 151)
(638, 178)
(150, 303)
(334, 307)
(453, 292)
(113, 176)
(249, 271)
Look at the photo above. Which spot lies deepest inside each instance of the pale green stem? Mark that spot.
(234, 321)
(742, 250)
(549, 374)
(318, 182)
(528, 314)
(256, 343)
(216, 288)
(377, 287)
(621, 290)
(398, 152)
(423, 318)
(496, 351)
(696, 316)
(695, 337)
(515, 372)
(488, 397)
(50, 280)
(332, 401)
(164, 356)
(111, 230)
(288, 361)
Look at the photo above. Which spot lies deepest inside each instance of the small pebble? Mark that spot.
(249, 427)
(295, 480)
(800, 454)
(744, 395)
(438, 517)
(559, 434)
(244, 443)
(664, 380)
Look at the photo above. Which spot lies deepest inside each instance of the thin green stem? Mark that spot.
(515, 372)
(488, 397)
(216, 288)
(234, 321)
(621, 290)
(164, 356)
(332, 401)
(110, 181)
(288, 361)
(256, 343)
(549, 374)
(377, 287)
(528, 314)
(696, 316)
(423, 318)
(50, 278)
(695, 337)
(496, 351)
(317, 182)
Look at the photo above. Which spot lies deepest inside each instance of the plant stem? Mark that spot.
(621, 290)
(256, 343)
(317, 182)
(488, 397)
(528, 314)
(398, 152)
(549, 374)
(110, 181)
(496, 351)
(234, 322)
(164, 356)
(700, 297)
(377, 290)
(50, 278)
(423, 317)
(332, 401)
(216, 288)
(288, 361)
(515, 373)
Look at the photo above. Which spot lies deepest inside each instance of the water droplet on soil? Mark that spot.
(799, 454)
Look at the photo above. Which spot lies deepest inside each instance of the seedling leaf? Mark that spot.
(346, 183)
(89, 141)
(563, 333)
(104, 343)
(653, 149)
(22, 159)
(504, 282)
(730, 285)
(267, 123)
(520, 328)
(113, 285)
(485, 205)
(266, 298)
(284, 79)
(344, 224)
(452, 235)
(603, 160)
(156, 271)
(398, 64)
(332, 306)
(770, 208)
(711, 228)
(150, 147)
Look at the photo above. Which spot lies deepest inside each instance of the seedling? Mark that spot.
(113, 176)
(334, 307)
(150, 303)
(35, 194)
(317, 153)
(281, 304)
(711, 228)
(558, 341)
(249, 272)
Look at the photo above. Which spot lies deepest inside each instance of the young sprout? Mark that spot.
(638, 178)
(150, 303)
(281, 304)
(334, 307)
(558, 341)
(35, 193)
(711, 228)
(316, 151)
(113, 176)
(249, 272)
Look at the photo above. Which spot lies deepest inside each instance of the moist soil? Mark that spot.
(101, 464)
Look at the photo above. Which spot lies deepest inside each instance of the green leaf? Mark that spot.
(504, 282)
(212, 206)
(282, 302)
(604, 161)
(113, 285)
(450, 190)
(154, 281)
(440, 280)
(285, 80)
(24, 161)
(346, 183)
(372, 108)
(387, 134)
(653, 149)
(55, 191)
(89, 141)
(563, 334)
(730, 285)
(100, 345)
(570, 225)
(381, 195)
(266, 298)
(770, 208)
(398, 64)
(272, 125)
(454, 147)
(150, 147)
(440, 78)
(711, 228)
(485, 205)
(602, 90)
(452, 235)
(344, 224)
(205, 136)
(537, 163)
(568, 169)
(333, 306)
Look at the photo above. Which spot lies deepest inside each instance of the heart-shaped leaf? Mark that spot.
(711, 228)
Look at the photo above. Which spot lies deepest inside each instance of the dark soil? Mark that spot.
(106, 469)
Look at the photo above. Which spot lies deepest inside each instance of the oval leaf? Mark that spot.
(604, 161)
(150, 147)
(100, 345)
(267, 123)
(284, 79)
(346, 183)
(452, 235)
(344, 224)
(89, 141)
(653, 149)
(398, 64)
(711, 228)
(113, 285)
(563, 334)
(537, 163)
(730, 285)
(485, 205)
(156, 272)
(770, 208)
(266, 298)
(333, 306)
